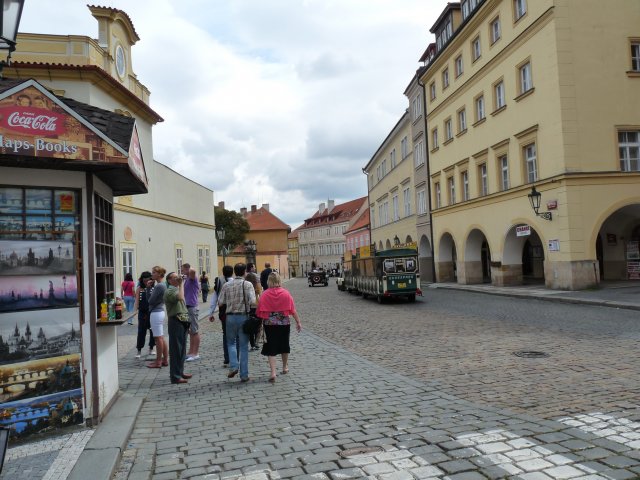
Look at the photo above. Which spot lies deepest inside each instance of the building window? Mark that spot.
(392, 157)
(475, 48)
(629, 146)
(526, 83)
(372, 216)
(462, 120)
(438, 195)
(432, 90)
(128, 262)
(417, 107)
(635, 57)
(404, 147)
(495, 31)
(380, 216)
(422, 202)
(407, 201)
(378, 176)
(499, 95)
(468, 6)
(445, 78)
(452, 191)
(531, 162)
(519, 9)
(396, 208)
(420, 154)
(384, 167)
(482, 174)
(503, 162)
(480, 108)
(434, 137)
(386, 211)
(448, 129)
(465, 185)
(459, 66)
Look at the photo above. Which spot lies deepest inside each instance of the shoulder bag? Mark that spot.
(252, 323)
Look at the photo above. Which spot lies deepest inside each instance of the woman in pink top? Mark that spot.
(127, 293)
(276, 307)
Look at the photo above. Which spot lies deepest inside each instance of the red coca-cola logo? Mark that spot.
(32, 121)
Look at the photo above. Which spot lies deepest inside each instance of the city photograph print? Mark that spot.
(30, 292)
(36, 258)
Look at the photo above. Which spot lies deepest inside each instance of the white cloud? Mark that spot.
(280, 101)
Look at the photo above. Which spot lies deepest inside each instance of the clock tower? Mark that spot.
(116, 36)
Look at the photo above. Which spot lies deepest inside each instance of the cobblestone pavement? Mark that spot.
(410, 391)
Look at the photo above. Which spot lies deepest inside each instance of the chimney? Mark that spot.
(254, 208)
(331, 204)
(265, 206)
(321, 208)
(243, 211)
(221, 205)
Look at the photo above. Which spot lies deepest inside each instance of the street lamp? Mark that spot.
(224, 250)
(534, 199)
(9, 21)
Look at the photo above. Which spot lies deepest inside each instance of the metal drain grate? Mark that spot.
(530, 354)
(352, 452)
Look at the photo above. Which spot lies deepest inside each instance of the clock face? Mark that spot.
(121, 62)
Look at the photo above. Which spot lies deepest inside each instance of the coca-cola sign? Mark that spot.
(32, 121)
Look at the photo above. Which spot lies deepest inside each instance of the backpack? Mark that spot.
(217, 284)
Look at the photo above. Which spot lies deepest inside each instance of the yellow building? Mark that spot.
(543, 94)
(293, 254)
(393, 201)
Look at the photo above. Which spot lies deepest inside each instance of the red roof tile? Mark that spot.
(362, 222)
(339, 214)
(262, 219)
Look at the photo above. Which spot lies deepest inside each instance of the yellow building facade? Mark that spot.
(393, 199)
(543, 94)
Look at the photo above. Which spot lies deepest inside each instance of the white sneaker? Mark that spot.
(192, 359)
(138, 355)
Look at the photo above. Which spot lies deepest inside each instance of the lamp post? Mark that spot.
(64, 282)
(534, 199)
(224, 250)
(9, 22)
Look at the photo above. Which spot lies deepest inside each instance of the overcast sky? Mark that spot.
(267, 101)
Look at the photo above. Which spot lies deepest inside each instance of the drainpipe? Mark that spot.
(426, 154)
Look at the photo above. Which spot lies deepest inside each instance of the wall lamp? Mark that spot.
(534, 199)
(9, 21)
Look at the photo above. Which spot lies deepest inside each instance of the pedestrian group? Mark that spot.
(248, 306)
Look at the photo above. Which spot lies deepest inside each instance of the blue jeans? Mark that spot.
(234, 329)
(129, 302)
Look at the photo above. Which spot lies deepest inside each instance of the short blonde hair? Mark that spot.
(159, 270)
(274, 280)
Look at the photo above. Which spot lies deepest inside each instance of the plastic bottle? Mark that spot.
(103, 310)
(118, 308)
(112, 309)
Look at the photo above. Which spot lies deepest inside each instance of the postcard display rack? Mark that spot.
(40, 337)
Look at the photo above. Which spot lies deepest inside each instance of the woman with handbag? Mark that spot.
(276, 308)
(178, 327)
(155, 297)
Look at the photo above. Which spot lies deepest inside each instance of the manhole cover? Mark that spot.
(530, 354)
(352, 452)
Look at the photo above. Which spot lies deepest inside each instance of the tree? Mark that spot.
(235, 228)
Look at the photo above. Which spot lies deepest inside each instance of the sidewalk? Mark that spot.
(610, 294)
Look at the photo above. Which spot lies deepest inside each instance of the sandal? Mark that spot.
(165, 364)
(154, 365)
(285, 371)
(272, 379)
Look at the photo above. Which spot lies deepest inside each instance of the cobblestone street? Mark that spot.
(424, 390)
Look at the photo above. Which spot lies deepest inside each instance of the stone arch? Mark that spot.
(476, 267)
(408, 239)
(380, 245)
(388, 244)
(425, 259)
(614, 244)
(446, 264)
(522, 258)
